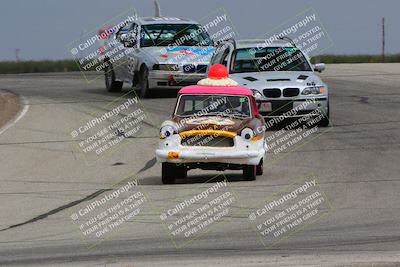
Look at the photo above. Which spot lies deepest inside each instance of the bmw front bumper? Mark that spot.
(293, 108)
(159, 79)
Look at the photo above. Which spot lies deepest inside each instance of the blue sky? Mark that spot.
(42, 29)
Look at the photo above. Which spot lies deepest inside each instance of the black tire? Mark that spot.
(325, 120)
(249, 172)
(171, 171)
(111, 84)
(168, 173)
(182, 172)
(143, 82)
(260, 168)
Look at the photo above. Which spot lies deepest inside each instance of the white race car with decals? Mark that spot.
(158, 53)
(283, 80)
(215, 126)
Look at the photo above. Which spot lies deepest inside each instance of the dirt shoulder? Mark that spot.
(9, 106)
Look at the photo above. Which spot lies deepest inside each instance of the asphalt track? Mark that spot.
(355, 162)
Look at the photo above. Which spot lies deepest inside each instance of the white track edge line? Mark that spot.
(23, 101)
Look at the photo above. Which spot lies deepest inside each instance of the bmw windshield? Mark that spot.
(269, 59)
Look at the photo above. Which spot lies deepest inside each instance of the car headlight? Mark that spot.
(256, 94)
(167, 131)
(315, 90)
(247, 133)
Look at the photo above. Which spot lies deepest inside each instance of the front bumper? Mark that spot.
(159, 79)
(293, 108)
(243, 152)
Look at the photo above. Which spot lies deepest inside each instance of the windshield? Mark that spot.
(269, 59)
(203, 105)
(174, 34)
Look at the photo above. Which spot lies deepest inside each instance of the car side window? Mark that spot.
(135, 29)
(128, 34)
(123, 29)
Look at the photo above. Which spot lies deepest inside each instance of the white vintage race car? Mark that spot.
(213, 128)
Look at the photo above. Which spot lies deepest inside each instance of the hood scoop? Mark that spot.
(251, 79)
(302, 78)
(278, 80)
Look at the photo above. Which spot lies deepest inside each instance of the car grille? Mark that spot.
(189, 68)
(183, 83)
(201, 68)
(166, 67)
(273, 92)
(290, 92)
(207, 140)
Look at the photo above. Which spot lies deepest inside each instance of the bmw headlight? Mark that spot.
(167, 131)
(256, 94)
(315, 90)
(247, 133)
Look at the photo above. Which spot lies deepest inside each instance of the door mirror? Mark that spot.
(319, 67)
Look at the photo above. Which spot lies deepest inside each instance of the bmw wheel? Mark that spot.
(111, 84)
(325, 120)
(143, 83)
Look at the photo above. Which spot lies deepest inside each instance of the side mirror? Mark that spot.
(319, 67)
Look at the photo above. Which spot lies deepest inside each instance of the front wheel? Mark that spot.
(249, 172)
(171, 171)
(143, 82)
(325, 120)
(111, 84)
(260, 168)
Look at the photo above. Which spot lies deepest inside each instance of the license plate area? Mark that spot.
(265, 107)
(280, 107)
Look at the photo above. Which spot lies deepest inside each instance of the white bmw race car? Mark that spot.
(157, 53)
(283, 80)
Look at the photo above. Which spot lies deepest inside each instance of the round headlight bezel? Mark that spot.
(167, 131)
(313, 90)
(257, 94)
(247, 134)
